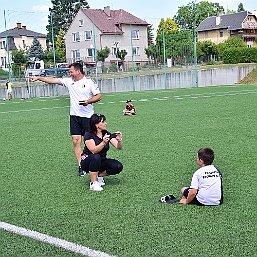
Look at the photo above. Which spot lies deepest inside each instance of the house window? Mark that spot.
(3, 59)
(81, 23)
(76, 37)
(90, 52)
(221, 33)
(135, 50)
(135, 34)
(250, 42)
(75, 54)
(88, 35)
(2, 45)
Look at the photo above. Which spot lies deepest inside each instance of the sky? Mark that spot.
(34, 14)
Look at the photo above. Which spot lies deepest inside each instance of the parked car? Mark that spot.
(55, 72)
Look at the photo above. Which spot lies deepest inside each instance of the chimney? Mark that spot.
(24, 27)
(218, 21)
(18, 25)
(107, 11)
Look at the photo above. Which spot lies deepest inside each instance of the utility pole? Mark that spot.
(195, 52)
(52, 29)
(7, 48)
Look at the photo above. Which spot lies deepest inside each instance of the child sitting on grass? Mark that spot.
(129, 109)
(206, 186)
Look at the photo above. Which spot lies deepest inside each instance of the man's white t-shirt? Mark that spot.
(81, 90)
(207, 180)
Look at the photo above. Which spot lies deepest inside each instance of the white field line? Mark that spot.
(53, 241)
(37, 109)
(175, 97)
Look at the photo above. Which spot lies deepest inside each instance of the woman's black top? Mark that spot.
(90, 135)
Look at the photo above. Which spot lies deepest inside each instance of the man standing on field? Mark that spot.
(83, 93)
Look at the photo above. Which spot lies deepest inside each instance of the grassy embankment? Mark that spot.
(251, 78)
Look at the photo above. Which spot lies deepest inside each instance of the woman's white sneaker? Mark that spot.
(95, 186)
(100, 181)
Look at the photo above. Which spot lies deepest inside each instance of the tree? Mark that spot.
(49, 57)
(122, 54)
(19, 57)
(166, 29)
(152, 53)
(240, 8)
(191, 15)
(150, 35)
(102, 54)
(36, 52)
(63, 12)
(206, 49)
(60, 46)
(180, 47)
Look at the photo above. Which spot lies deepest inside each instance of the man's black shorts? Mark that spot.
(79, 125)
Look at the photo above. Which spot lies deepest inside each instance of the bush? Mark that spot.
(113, 67)
(240, 55)
(3, 74)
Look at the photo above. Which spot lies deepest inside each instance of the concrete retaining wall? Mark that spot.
(182, 79)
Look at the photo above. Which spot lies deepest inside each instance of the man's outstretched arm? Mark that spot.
(48, 80)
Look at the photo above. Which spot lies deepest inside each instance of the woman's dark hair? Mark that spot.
(77, 66)
(206, 155)
(95, 119)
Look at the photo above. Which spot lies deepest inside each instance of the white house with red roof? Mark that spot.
(96, 28)
(19, 38)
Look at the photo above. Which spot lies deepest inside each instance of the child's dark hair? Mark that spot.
(95, 119)
(206, 155)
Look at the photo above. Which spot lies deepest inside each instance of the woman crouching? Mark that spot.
(94, 160)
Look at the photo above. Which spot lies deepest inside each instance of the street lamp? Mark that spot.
(195, 52)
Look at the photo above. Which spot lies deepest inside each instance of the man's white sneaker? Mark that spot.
(95, 186)
(100, 181)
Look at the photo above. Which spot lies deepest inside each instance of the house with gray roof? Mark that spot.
(219, 28)
(116, 29)
(19, 38)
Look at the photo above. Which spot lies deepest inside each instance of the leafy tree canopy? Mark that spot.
(19, 57)
(240, 8)
(60, 46)
(165, 29)
(191, 15)
(103, 54)
(63, 12)
(122, 54)
(150, 36)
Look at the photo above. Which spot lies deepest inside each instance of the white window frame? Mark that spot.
(135, 34)
(76, 37)
(135, 50)
(75, 54)
(86, 34)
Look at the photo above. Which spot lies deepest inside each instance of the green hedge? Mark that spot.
(240, 55)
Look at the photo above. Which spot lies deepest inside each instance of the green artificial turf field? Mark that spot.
(40, 189)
